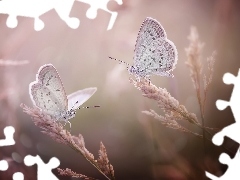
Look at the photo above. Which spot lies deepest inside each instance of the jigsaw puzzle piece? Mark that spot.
(233, 167)
(3, 165)
(224, 159)
(221, 104)
(43, 170)
(100, 4)
(8, 132)
(63, 8)
(231, 131)
(38, 24)
(25, 8)
(34, 9)
(209, 175)
(229, 78)
(12, 21)
(18, 176)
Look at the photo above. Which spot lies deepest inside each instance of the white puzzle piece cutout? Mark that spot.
(44, 171)
(233, 167)
(3, 165)
(8, 132)
(36, 8)
(232, 131)
(18, 176)
(100, 4)
(9, 141)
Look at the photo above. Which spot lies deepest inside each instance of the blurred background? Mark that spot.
(138, 146)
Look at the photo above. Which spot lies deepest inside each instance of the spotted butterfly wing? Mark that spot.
(154, 53)
(47, 92)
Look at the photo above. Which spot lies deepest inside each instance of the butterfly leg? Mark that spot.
(138, 78)
(70, 125)
(148, 79)
(64, 122)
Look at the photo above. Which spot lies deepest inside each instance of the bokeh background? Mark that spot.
(138, 146)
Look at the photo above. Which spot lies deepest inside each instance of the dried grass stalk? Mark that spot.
(207, 81)
(56, 131)
(103, 161)
(171, 107)
(169, 122)
(194, 61)
(210, 63)
(69, 172)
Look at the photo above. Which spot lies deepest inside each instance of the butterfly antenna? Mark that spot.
(86, 107)
(120, 61)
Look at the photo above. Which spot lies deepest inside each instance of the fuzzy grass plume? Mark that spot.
(174, 112)
(56, 131)
(194, 62)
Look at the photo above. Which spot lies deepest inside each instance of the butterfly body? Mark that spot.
(65, 115)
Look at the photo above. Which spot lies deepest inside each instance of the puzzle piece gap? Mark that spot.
(44, 170)
(36, 8)
(18, 176)
(229, 78)
(231, 131)
(3, 165)
(8, 132)
(221, 104)
(218, 139)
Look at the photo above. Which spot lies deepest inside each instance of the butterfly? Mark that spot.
(47, 93)
(154, 54)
